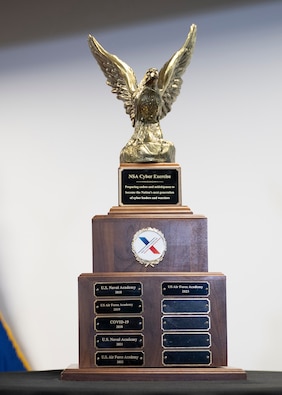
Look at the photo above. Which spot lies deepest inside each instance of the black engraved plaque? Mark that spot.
(119, 358)
(186, 340)
(149, 186)
(118, 306)
(118, 323)
(187, 357)
(118, 289)
(185, 288)
(185, 323)
(185, 306)
(119, 341)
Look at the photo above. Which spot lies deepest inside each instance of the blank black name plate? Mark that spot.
(185, 306)
(187, 358)
(186, 340)
(186, 323)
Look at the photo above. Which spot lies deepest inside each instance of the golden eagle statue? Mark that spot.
(147, 102)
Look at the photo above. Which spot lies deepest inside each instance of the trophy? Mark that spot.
(150, 310)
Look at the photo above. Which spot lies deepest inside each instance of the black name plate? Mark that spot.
(119, 341)
(118, 306)
(185, 288)
(186, 323)
(150, 186)
(118, 289)
(187, 357)
(186, 340)
(185, 306)
(119, 358)
(118, 324)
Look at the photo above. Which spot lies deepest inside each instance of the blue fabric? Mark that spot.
(9, 359)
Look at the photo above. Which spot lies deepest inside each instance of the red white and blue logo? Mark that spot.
(149, 246)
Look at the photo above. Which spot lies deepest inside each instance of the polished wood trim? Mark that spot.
(151, 374)
(164, 211)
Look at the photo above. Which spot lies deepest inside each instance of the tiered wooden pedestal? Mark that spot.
(138, 322)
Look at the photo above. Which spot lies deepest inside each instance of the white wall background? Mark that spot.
(61, 132)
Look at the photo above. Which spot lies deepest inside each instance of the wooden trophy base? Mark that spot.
(151, 310)
(152, 374)
(108, 331)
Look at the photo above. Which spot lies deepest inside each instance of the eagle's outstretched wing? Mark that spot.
(170, 80)
(118, 74)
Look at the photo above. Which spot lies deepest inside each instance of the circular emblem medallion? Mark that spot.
(149, 246)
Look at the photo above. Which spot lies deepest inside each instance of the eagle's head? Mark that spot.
(151, 77)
